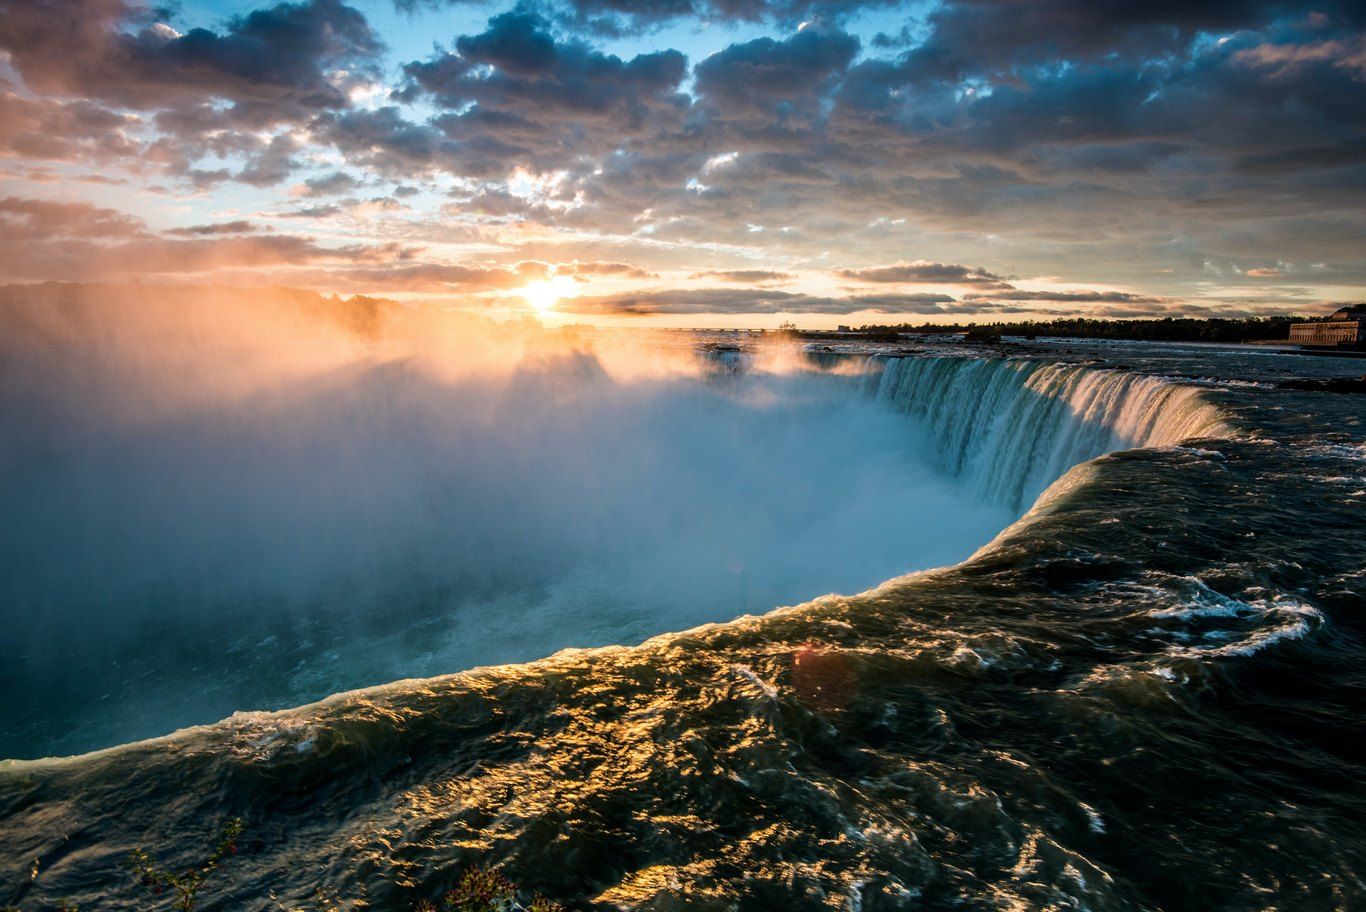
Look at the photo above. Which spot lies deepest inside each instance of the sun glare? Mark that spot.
(542, 296)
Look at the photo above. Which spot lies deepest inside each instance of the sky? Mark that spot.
(697, 162)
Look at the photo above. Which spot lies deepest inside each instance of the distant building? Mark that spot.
(1342, 329)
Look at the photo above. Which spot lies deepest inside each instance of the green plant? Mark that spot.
(186, 885)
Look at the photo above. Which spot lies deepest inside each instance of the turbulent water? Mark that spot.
(1144, 694)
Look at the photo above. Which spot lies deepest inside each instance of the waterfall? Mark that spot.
(1010, 427)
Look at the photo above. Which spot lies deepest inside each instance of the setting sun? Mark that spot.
(542, 296)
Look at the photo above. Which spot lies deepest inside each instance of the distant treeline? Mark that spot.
(1167, 329)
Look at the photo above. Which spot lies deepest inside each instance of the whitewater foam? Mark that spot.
(1011, 427)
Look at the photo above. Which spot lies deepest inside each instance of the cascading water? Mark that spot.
(1011, 427)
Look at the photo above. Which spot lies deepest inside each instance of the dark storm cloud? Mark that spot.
(1051, 147)
(767, 77)
(1290, 92)
(273, 65)
(384, 140)
(516, 94)
(1220, 103)
(969, 37)
(816, 134)
(769, 167)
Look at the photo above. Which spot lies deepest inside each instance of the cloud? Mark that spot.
(278, 64)
(614, 270)
(619, 17)
(753, 276)
(50, 130)
(689, 301)
(86, 261)
(922, 271)
(271, 163)
(1284, 59)
(240, 226)
(384, 140)
(39, 220)
(733, 301)
(329, 184)
(921, 303)
(351, 207)
(1108, 144)
(968, 37)
(430, 277)
(54, 240)
(771, 77)
(516, 95)
(1069, 297)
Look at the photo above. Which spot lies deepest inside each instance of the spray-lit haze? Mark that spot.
(215, 504)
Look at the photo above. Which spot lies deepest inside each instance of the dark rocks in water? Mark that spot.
(1332, 385)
